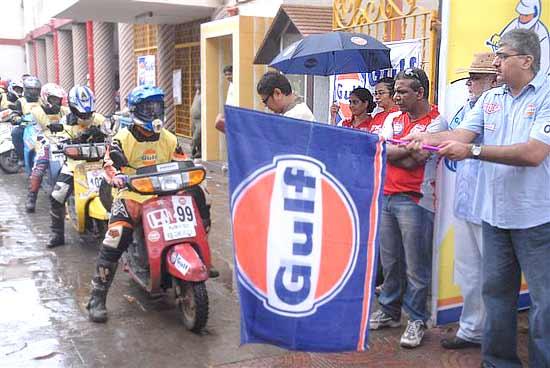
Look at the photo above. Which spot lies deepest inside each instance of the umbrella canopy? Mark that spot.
(333, 53)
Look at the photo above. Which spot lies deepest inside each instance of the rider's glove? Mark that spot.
(119, 181)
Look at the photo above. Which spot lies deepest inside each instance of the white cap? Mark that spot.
(527, 7)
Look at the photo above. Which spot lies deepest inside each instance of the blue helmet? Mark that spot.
(146, 103)
(82, 102)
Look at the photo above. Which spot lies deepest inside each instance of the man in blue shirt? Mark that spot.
(514, 196)
(467, 224)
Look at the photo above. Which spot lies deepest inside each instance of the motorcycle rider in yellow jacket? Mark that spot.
(50, 111)
(81, 125)
(144, 143)
(22, 106)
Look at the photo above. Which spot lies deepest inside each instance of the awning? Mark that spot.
(307, 19)
(137, 11)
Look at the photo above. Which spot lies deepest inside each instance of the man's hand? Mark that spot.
(454, 150)
(119, 181)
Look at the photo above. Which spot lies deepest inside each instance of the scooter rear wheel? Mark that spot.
(192, 301)
(8, 162)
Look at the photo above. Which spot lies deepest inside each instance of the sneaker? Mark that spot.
(412, 337)
(381, 319)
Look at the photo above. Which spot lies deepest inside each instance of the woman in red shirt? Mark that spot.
(383, 96)
(361, 104)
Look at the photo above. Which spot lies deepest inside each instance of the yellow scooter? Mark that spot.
(84, 208)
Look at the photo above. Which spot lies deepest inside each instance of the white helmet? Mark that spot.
(82, 102)
(16, 87)
(51, 97)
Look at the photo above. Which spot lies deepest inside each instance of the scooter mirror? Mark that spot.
(56, 127)
(118, 158)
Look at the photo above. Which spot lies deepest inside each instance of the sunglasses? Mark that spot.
(410, 72)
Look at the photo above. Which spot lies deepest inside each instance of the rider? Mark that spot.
(48, 112)
(142, 144)
(23, 106)
(15, 92)
(81, 125)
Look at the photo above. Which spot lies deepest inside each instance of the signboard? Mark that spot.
(176, 86)
(146, 70)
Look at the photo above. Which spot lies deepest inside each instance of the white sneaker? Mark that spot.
(380, 319)
(412, 337)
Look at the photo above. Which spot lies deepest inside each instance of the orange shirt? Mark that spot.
(364, 125)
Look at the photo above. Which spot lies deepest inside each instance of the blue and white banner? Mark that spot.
(305, 203)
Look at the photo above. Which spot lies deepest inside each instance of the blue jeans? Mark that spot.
(506, 253)
(406, 253)
(17, 139)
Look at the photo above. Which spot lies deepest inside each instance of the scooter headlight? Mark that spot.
(169, 182)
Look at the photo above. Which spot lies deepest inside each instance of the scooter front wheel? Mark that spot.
(192, 302)
(8, 162)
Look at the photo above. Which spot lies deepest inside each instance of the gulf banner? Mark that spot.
(465, 32)
(305, 229)
(404, 54)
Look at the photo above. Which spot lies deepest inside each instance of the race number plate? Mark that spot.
(185, 222)
(93, 178)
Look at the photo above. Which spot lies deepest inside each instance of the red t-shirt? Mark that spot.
(378, 120)
(364, 125)
(419, 182)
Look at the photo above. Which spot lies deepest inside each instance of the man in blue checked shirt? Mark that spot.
(514, 197)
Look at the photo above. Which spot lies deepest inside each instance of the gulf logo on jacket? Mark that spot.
(300, 261)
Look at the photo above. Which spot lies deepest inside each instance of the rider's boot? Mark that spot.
(34, 186)
(105, 272)
(57, 228)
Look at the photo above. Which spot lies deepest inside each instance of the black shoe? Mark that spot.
(56, 240)
(30, 205)
(456, 342)
(213, 273)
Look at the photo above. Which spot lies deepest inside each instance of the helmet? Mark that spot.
(31, 88)
(146, 104)
(82, 102)
(51, 97)
(16, 87)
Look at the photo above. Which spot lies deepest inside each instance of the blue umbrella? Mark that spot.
(333, 53)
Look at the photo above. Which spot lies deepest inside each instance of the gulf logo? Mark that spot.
(296, 233)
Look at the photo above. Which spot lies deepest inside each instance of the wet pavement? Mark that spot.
(43, 320)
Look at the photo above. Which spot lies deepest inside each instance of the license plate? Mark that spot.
(179, 230)
(93, 178)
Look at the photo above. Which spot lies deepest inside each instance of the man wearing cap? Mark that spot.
(529, 12)
(468, 239)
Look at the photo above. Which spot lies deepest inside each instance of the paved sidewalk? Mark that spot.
(384, 345)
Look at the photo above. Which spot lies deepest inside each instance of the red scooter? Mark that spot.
(170, 246)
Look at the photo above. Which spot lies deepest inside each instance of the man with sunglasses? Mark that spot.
(407, 214)
(276, 94)
(514, 123)
(467, 224)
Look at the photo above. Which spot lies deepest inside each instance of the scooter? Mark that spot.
(84, 208)
(56, 158)
(170, 246)
(8, 156)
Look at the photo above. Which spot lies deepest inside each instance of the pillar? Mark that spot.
(66, 72)
(166, 43)
(80, 54)
(31, 61)
(126, 61)
(41, 60)
(104, 67)
(50, 60)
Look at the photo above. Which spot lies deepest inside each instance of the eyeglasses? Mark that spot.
(265, 99)
(503, 56)
(381, 93)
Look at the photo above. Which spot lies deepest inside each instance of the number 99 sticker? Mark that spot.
(183, 209)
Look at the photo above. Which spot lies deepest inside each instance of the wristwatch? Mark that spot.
(476, 151)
